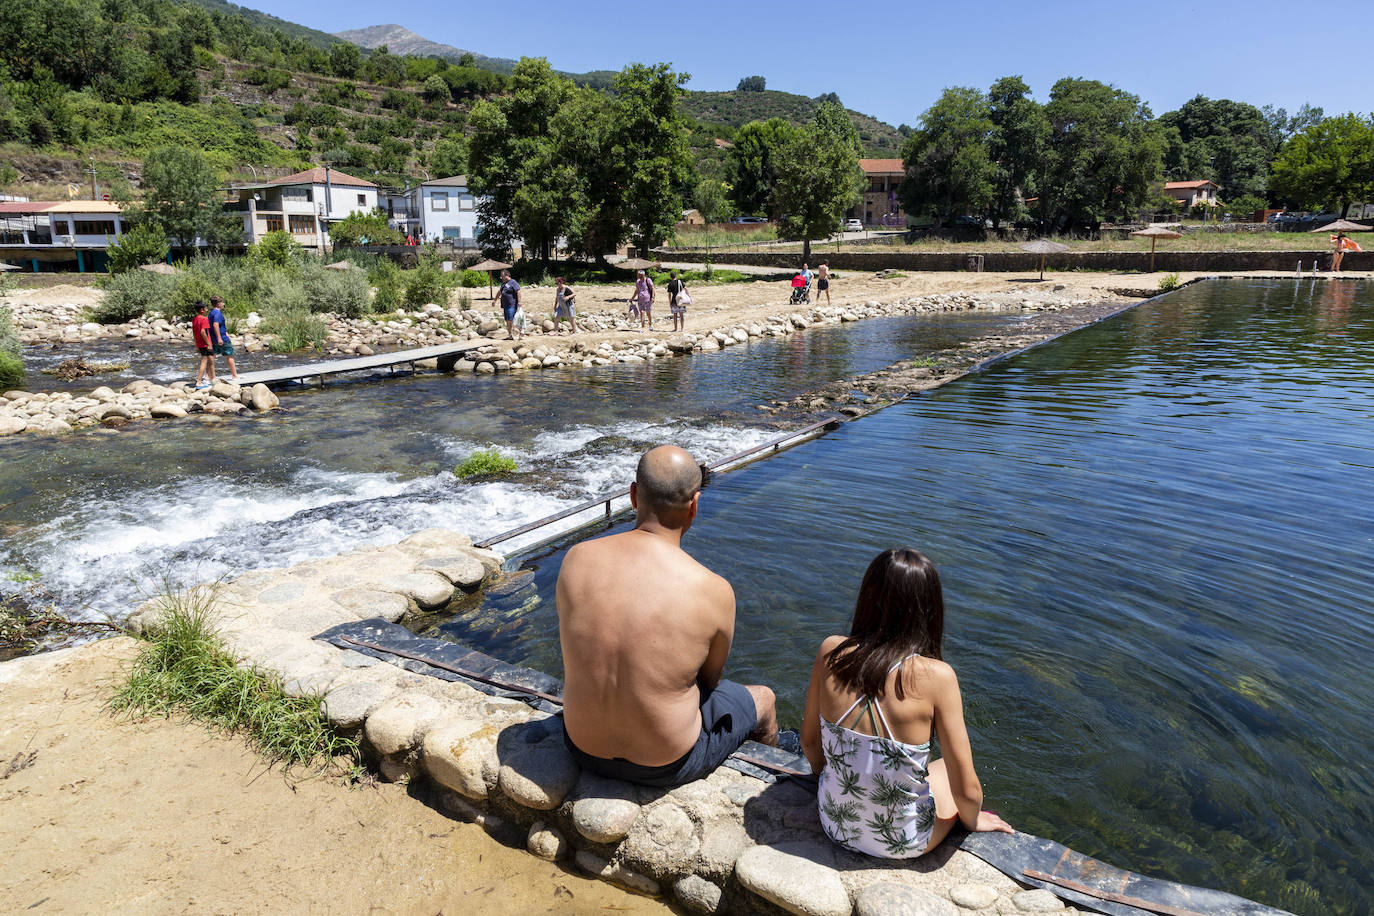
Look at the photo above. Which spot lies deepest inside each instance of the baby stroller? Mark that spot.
(801, 290)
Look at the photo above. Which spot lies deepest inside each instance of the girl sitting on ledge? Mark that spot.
(875, 701)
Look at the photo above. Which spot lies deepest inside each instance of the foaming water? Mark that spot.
(1155, 540)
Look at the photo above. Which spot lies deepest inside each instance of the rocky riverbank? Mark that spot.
(729, 843)
(62, 412)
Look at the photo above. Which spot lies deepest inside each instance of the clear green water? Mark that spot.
(1156, 538)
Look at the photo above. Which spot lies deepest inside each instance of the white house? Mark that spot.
(303, 204)
(444, 210)
(1193, 193)
(34, 233)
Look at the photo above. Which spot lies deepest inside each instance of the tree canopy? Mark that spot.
(181, 198)
(818, 179)
(752, 169)
(1331, 162)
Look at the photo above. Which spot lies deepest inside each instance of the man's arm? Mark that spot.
(723, 607)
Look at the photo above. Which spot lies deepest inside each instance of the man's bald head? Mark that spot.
(666, 480)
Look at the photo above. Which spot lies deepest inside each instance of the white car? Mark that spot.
(853, 225)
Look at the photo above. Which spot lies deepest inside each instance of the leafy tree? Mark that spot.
(354, 228)
(710, 199)
(1016, 147)
(1331, 162)
(143, 244)
(466, 59)
(949, 166)
(436, 89)
(1282, 126)
(277, 249)
(818, 178)
(345, 60)
(832, 118)
(751, 166)
(652, 143)
(181, 197)
(752, 84)
(1221, 140)
(449, 157)
(1103, 153)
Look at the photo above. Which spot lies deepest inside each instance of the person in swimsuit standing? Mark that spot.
(823, 283)
(876, 699)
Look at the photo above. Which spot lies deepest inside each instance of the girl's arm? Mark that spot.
(958, 755)
(811, 719)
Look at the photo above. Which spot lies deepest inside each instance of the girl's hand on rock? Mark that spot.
(988, 822)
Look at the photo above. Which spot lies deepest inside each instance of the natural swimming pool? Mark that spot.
(1156, 543)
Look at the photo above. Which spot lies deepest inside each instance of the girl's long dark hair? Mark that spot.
(900, 611)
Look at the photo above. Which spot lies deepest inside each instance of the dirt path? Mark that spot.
(103, 815)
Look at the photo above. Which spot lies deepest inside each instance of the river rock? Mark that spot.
(456, 755)
(973, 896)
(394, 727)
(539, 776)
(367, 602)
(11, 425)
(462, 570)
(604, 820)
(797, 883)
(661, 840)
(547, 843)
(227, 391)
(427, 589)
(886, 898)
(594, 864)
(1037, 901)
(697, 894)
(347, 706)
(167, 410)
(114, 411)
(364, 350)
(260, 398)
(723, 841)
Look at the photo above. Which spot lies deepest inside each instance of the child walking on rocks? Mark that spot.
(200, 333)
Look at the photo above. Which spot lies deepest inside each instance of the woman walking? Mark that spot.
(644, 298)
(876, 699)
(563, 306)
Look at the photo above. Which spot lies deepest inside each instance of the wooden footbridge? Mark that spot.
(446, 354)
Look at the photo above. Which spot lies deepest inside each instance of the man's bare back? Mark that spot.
(646, 630)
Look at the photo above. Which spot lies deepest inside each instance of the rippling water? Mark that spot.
(1156, 540)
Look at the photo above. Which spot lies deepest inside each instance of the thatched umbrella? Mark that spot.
(158, 268)
(1043, 247)
(1343, 225)
(1154, 234)
(637, 264)
(339, 265)
(490, 266)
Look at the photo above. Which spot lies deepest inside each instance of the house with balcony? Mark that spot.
(879, 204)
(303, 204)
(1193, 193)
(444, 210)
(43, 235)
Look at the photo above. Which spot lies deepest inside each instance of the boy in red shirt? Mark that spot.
(200, 333)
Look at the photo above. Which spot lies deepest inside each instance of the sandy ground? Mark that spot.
(107, 815)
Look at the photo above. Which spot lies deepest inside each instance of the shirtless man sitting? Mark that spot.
(645, 631)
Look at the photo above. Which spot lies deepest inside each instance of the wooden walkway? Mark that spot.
(322, 368)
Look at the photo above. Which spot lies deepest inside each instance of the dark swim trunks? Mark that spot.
(727, 718)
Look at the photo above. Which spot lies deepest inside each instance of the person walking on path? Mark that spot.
(200, 334)
(876, 700)
(644, 298)
(510, 303)
(823, 283)
(645, 632)
(678, 300)
(219, 335)
(564, 305)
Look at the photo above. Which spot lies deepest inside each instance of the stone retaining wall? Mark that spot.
(1020, 261)
(729, 843)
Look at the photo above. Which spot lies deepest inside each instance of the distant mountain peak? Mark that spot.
(401, 40)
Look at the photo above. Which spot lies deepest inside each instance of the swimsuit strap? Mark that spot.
(845, 715)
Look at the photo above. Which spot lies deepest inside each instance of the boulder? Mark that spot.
(395, 726)
(456, 755)
(227, 391)
(547, 843)
(347, 706)
(604, 820)
(540, 774)
(886, 898)
(260, 398)
(697, 895)
(462, 570)
(366, 603)
(792, 877)
(11, 425)
(167, 410)
(593, 864)
(113, 411)
(427, 589)
(363, 349)
(1037, 901)
(973, 896)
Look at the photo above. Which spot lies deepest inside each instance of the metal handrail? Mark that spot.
(771, 446)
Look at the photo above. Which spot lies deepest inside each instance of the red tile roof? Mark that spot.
(1181, 185)
(881, 166)
(27, 206)
(316, 176)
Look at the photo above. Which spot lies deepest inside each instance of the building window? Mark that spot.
(95, 227)
(362, 200)
(301, 195)
(302, 225)
(273, 223)
(438, 200)
(465, 202)
(59, 228)
(453, 232)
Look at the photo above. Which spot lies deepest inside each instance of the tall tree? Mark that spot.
(1329, 163)
(181, 197)
(949, 165)
(818, 179)
(1219, 140)
(831, 117)
(652, 139)
(1015, 146)
(752, 169)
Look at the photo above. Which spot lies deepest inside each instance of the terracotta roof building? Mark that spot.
(879, 204)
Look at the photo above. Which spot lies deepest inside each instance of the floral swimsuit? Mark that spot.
(874, 797)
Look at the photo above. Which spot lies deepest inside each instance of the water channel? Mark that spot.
(1154, 535)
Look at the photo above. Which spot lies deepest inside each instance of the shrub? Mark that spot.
(485, 463)
(11, 371)
(276, 249)
(386, 277)
(427, 283)
(236, 279)
(189, 288)
(473, 279)
(9, 338)
(280, 293)
(343, 292)
(141, 245)
(132, 294)
(1168, 282)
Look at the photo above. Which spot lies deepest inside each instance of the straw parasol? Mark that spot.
(1343, 225)
(4, 266)
(490, 266)
(339, 265)
(1043, 247)
(1154, 234)
(158, 268)
(637, 264)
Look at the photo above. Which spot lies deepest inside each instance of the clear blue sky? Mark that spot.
(891, 59)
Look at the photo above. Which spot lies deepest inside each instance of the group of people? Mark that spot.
(801, 284)
(513, 308)
(646, 631)
(210, 332)
(642, 300)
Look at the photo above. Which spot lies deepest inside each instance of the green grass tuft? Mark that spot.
(485, 463)
(185, 667)
(1168, 282)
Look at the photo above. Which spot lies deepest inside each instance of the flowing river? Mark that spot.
(1154, 534)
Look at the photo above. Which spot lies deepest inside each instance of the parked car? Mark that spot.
(748, 219)
(1316, 220)
(970, 222)
(853, 225)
